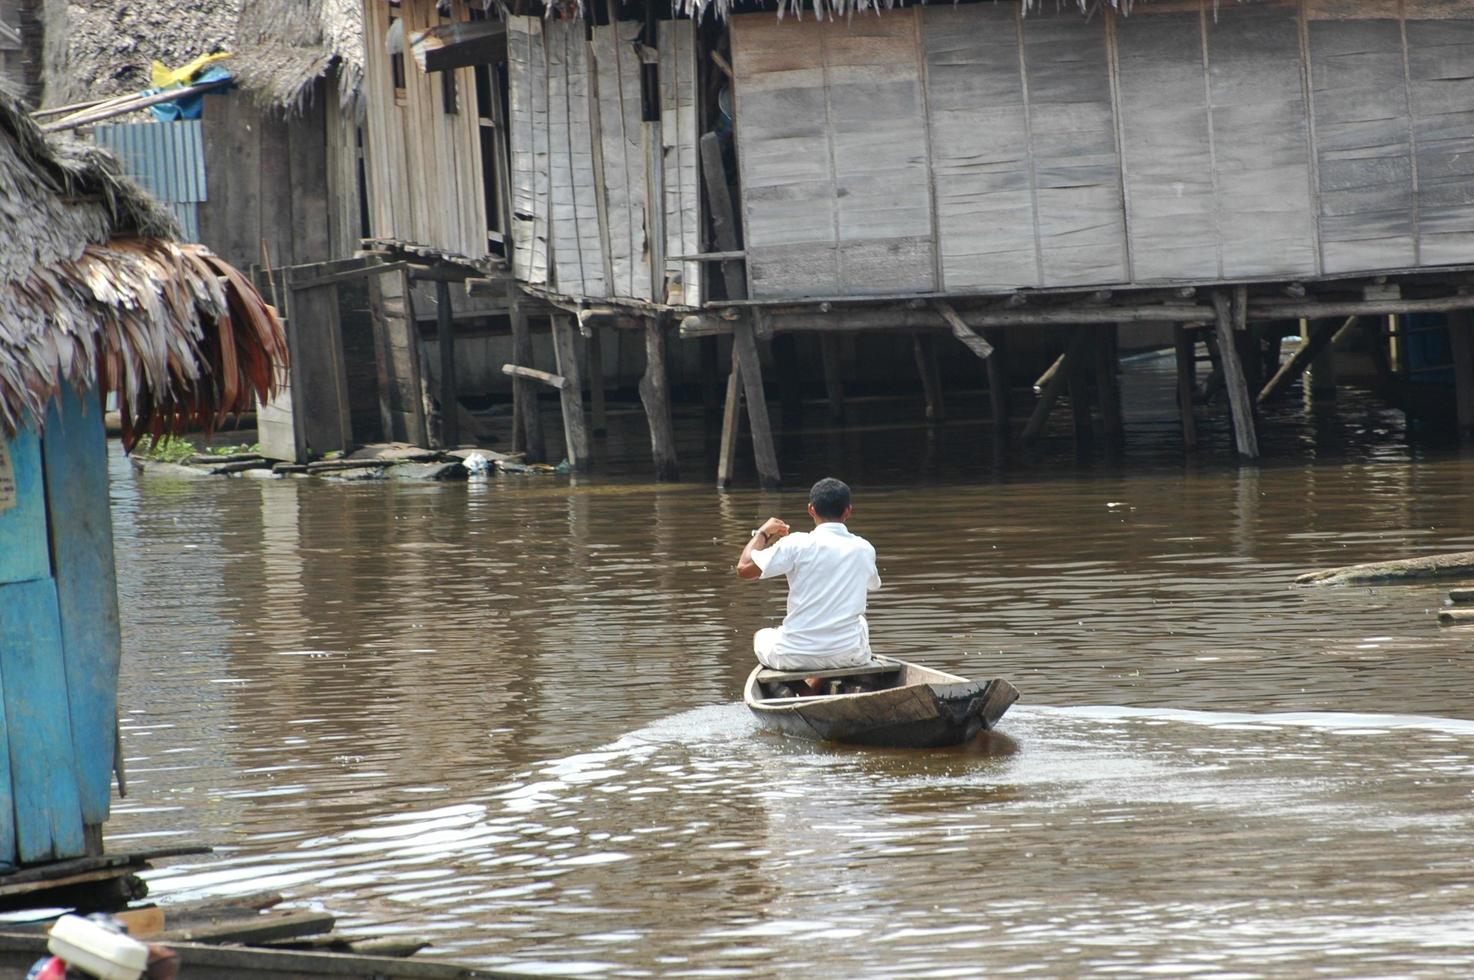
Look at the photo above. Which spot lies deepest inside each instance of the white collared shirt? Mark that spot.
(829, 573)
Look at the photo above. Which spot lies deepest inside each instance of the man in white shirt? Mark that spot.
(829, 571)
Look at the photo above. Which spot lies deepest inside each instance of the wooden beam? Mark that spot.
(931, 377)
(731, 422)
(533, 374)
(829, 353)
(1296, 310)
(595, 351)
(745, 343)
(450, 423)
(845, 321)
(962, 331)
(1052, 389)
(723, 218)
(1230, 312)
(1108, 387)
(459, 44)
(998, 393)
(527, 429)
(1187, 383)
(1321, 334)
(570, 395)
(1461, 345)
(655, 395)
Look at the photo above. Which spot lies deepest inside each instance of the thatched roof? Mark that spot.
(279, 47)
(93, 290)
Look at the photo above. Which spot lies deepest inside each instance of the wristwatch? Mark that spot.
(755, 532)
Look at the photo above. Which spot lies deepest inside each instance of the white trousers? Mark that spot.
(765, 644)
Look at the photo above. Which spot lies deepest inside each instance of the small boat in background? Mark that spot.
(887, 702)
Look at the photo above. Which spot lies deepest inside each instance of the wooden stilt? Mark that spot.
(711, 380)
(1077, 377)
(790, 377)
(570, 396)
(450, 423)
(931, 376)
(1461, 345)
(595, 353)
(527, 434)
(1230, 315)
(1251, 356)
(1187, 383)
(1322, 370)
(1053, 386)
(998, 398)
(833, 375)
(1321, 334)
(1377, 333)
(731, 423)
(655, 395)
(1108, 385)
(744, 340)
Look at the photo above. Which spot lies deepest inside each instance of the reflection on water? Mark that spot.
(504, 714)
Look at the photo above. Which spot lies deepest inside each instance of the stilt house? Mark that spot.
(984, 171)
(95, 297)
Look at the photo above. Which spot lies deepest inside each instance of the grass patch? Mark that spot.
(172, 449)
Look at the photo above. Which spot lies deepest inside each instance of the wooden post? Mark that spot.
(1077, 376)
(450, 423)
(655, 395)
(744, 335)
(595, 353)
(1322, 369)
(527, 426)
(998, 381)
(1050, 392)
(711, 380)
(570, 396)
(931, 376)
(1230, 315)
(1461, 345)
(1377, 331)
(744, 341)
(731, 422)
(1187, 383)
(833, 375)
(1108, 386)
(790, 377)
(1321, 333)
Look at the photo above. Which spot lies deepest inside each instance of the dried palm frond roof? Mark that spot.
(278, 47)
(92, 291)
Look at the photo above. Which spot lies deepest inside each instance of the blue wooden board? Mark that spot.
(23, 550)
(74, 450)
(48, 811)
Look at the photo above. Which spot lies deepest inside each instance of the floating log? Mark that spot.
(1456, 617)
(1460, 597)
(1457, 564)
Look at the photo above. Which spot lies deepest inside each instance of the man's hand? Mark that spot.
(773, 529)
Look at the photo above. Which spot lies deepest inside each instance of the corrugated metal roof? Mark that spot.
(167, 159)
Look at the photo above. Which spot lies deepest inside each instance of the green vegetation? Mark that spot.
(172, 449)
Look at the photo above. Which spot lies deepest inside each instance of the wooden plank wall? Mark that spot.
(527, 94)
(578, 249)
(621, 139)
(1186, 142)
(833, 125)
(681, 178)
(980, 147)
(424, 154)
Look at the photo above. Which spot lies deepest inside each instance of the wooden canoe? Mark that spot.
(908, 706)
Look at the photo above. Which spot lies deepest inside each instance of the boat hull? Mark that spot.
(926, 709)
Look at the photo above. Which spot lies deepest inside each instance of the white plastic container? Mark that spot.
(97, 950)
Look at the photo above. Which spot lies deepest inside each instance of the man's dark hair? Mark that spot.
(829, 498)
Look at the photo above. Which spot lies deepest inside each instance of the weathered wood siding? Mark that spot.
(621, 139)
(1184, 142)
(527, 88)
(834, 155)
(578, 248)
(681, 176)
(424, 153)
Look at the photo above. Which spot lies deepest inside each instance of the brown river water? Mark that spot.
(505, 714)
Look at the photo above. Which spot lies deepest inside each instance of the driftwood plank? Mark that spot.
(1458, 564)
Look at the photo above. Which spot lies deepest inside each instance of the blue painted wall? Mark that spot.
(59, 638)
